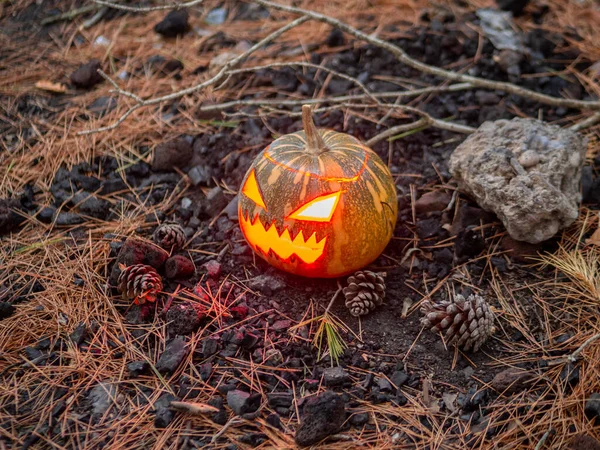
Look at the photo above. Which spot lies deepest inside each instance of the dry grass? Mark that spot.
(541, 311)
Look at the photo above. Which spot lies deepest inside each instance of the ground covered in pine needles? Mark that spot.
(82, 368)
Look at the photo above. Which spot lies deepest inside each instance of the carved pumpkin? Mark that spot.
(318, 203)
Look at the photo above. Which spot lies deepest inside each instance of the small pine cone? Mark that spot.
(169, 236)
(365, 291)
(466, 323)
(140, 283)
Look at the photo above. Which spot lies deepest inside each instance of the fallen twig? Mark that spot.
(573, 356)
(403, 57)
(176, 5)
(70, 15)
(211, 81)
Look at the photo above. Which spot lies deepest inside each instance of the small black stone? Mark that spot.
(6, 310)
(32, 353)
(242, 402)
(570, 374)
(205, 371)
(592, 407)
(65, 218)
(336, 38)
(335, 376)
(274, 420)
(399, 378)
(164, 415)
(469, 243)
(360, 419)
(174, 353)
(210, 346)
(220, 417)
(87, 76)
(9, 218)
(95, 207)
(79, 334)
(174, 24)
(283, 399)
(137, 368)
(428, 227)
(384, 384)
(46, 214)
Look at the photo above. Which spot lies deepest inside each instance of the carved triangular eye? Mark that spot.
(252, 191)
(318, 210)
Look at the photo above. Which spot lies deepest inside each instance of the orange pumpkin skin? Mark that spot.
(318, 214)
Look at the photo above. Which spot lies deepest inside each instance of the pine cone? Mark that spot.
(140, 283)
(365, 291)
(169, 236)
(466, 323)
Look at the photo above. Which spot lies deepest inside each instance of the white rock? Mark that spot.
(526, 171)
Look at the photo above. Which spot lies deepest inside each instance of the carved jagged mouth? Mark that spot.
(283, 245)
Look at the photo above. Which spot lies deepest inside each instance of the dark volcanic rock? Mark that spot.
(174, 353)
(469, 243)
(95, 207)
(399, 378)
(46, 214)
(335, 376)
(335, 38)
(9, 219)
(178, 267)
(137, 368)
(102, 397)
(210, 346)
(6, 310)
(87, 76)
(592, 407)
(175, 23)
(323, 416)
(184, 318)
(79, 334)
(360, 419)
(164, 415)
(65, 219)
(242, 402)
(216, 201)
(168, 155)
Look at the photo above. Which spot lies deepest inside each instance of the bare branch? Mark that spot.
(69, 15)
(403, 57)
(211, 81)
(334, 100)
(422, 122)
(177, 5)
(573, 356)
(586, 123)
(117, 89)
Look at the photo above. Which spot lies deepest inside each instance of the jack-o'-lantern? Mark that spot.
(318, 203)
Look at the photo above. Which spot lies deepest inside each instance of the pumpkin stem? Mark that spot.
(314, 142)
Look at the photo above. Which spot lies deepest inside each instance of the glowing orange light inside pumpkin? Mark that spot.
(282, 245)
(252, 191)
(318, 210)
